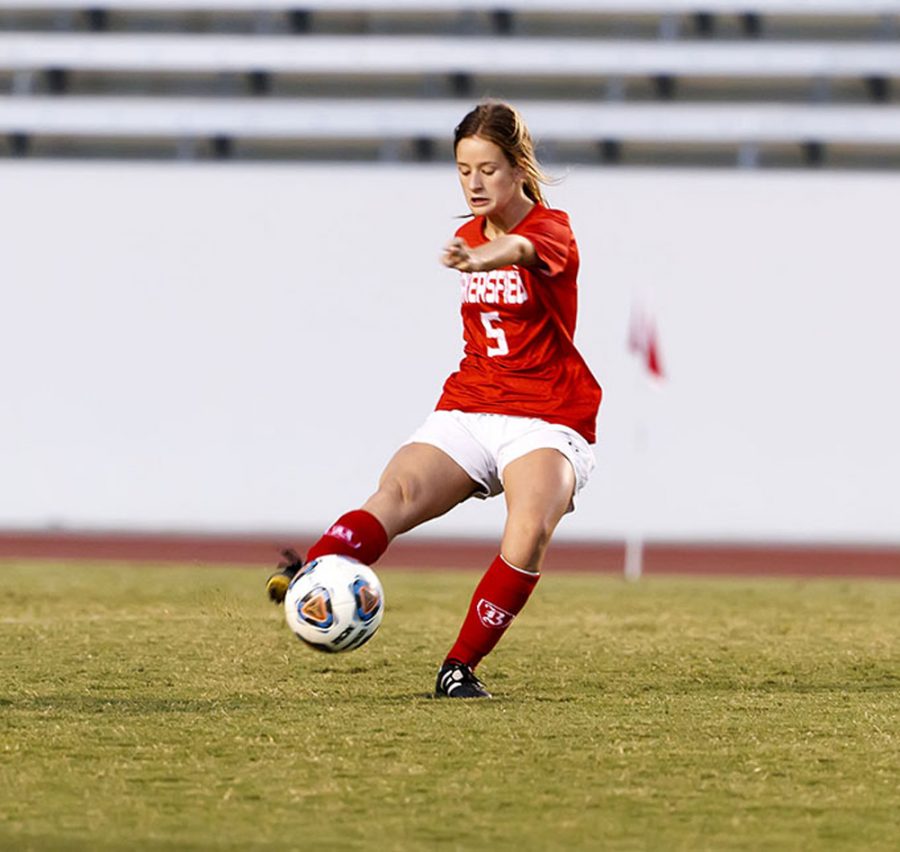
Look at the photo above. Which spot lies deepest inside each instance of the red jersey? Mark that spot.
(518, 324)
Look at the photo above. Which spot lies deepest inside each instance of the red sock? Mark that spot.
(358, 534)
(498, 598)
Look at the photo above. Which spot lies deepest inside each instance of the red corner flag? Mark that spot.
(643, 340)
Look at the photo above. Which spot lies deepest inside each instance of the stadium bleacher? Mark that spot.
(770, 82)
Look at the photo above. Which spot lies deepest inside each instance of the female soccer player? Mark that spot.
(519, 414)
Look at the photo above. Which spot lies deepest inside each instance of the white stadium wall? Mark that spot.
(240, 348)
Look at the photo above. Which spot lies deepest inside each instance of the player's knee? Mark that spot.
(525, 541)
(396, 503)
(403, 491)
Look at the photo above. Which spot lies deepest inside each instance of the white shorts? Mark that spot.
(484, 444)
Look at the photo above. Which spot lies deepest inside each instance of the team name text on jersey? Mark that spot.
(494, 287)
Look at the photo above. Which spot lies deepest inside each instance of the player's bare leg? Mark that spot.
(539, 487)
(419, 483)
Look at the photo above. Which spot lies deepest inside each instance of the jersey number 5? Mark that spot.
(491, 322)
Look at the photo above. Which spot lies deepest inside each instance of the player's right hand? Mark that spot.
(458, 255)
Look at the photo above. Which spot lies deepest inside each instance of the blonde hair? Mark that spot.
(502, 124)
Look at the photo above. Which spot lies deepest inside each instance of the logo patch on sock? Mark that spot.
(491, 615)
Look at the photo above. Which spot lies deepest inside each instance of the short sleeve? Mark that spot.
(551, 238)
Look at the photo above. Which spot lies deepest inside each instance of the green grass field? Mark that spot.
(160, 707)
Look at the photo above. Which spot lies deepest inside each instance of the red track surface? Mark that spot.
(262, 551)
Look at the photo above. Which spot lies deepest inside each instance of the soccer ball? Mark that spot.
(334, 604)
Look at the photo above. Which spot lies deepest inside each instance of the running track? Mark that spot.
(602, 557)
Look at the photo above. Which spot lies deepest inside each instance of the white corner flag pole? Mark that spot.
(642, 340)
(634, 541)
(634, 557)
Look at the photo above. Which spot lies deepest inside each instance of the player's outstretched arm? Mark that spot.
(508, 250)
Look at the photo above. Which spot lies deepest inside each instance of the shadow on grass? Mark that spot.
(157, 705)
(106, 704)
(53, 842)
(889, 684)
(884, 683)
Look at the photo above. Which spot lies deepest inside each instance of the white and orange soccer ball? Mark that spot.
(334, 604)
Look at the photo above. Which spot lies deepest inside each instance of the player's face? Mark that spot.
(491, 184)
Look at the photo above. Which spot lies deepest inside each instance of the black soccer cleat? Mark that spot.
(277, 584)
(457, 680)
